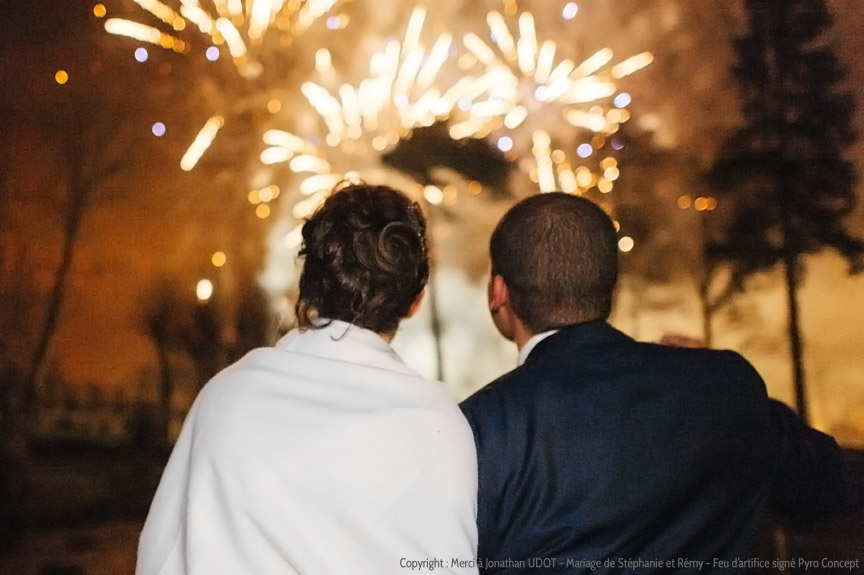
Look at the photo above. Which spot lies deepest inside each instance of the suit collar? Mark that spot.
(586, 334)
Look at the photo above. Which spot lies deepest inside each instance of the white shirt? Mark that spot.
(531, 344)
(322, 455)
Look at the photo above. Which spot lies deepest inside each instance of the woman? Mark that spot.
(326, 454)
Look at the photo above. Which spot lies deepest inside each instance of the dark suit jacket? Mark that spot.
(603, 449)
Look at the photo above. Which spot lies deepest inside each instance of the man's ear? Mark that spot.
(499, 296)
(416, 305)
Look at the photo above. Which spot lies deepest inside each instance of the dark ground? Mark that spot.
(87, 506)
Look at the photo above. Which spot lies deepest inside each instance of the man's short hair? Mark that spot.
(558, 255)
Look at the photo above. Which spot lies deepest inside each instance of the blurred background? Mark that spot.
(158, 158)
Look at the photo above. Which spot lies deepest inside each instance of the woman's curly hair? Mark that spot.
(366, 259)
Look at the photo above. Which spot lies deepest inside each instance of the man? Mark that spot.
(603, 454)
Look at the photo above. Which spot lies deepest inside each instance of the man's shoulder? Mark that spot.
(698, 359)
(491, 400)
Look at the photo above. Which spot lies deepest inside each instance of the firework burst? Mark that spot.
(408, 87)
(251, 31)
(543, 88)
(514, 89)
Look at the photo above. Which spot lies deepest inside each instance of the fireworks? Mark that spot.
(247, 29)
(553, 115)
(541, 80)
(405, 90)
(239, 25)
(507, 90)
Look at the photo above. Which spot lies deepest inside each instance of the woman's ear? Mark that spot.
(416, 305)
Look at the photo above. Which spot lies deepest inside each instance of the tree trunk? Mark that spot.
(707, 310)
(705, 277)
(166, 393)
(791, 267)
(432, 294)
(55, 302)
(795, 342)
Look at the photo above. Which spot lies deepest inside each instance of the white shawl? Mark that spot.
(322, 455)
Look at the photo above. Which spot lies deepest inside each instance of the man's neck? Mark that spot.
(521, 335)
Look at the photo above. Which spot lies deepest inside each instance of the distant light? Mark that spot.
(684, 202)
(604, 185)
(505, 143)
(274, 105)
(433, 195)
(617, 143)
(218, 260)
(558, 156)
(212, 53)
(464, 103)
(333, 23)
(625, 244)
(323, 60)
(204, 290)
(267, 194)
(158, 129)
(622, 100)
(262, 211)
(584, 177)
(141, 54)
(475, 187)
(541, 94)
(570, 11)
(451, 195)
(611, 173)
(701, 204)
(584, 150)
(61, 77)
(400, 101)
(99, 10)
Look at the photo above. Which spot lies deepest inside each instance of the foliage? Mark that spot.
(784, 170)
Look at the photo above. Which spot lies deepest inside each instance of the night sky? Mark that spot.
(152, 220)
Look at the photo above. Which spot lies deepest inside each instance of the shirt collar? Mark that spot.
(533, 341)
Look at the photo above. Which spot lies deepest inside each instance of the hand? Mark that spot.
(678, 340)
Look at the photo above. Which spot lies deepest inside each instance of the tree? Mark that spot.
(210, 333)
(783, 171)
(159, 313)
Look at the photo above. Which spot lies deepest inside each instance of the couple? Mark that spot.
(326, 455)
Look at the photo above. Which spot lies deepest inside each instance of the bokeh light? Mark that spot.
(584, 150)
(626, 244)
(204, 290)
(622, 100)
